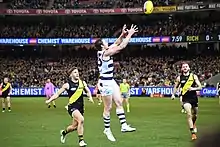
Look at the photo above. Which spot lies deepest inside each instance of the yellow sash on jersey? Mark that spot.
(188, 84)
(78, 93)
(6, 87)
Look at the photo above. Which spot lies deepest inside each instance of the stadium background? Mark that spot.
(42, 39)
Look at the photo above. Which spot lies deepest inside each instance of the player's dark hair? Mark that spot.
(185, 62)
(71, 70)
(98, 44)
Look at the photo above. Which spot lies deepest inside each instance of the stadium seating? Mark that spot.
(141, 67)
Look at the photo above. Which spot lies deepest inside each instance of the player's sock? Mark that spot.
(80, 138)
(65, 132)
(106, 120)
(3, 109)
(9, 108)
(121, 115)
(192, 130)
(48, 106)
(54, 106)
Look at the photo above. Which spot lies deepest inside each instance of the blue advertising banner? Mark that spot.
(56, 41)
(133, 91)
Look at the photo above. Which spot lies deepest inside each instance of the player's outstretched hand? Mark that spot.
(133, 29)
(124, 29)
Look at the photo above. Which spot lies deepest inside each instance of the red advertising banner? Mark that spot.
(70, 11)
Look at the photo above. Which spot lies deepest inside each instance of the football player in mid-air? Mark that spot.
(108, 87)
(189, 84)
(74, 88)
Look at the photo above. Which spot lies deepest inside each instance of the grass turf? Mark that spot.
(159, 123)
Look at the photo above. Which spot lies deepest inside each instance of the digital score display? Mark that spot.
(194, 38)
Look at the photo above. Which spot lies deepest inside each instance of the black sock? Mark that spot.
(192, 130)
(54, 106)
(182, 107)
(3, 109)
(9, 108)
(80, 138)
(65, 132)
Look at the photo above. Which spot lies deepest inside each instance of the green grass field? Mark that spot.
(159, 123)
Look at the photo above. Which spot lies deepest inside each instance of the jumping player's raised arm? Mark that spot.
(88, 92)
(116, 49)
(120, 38)
(58, 93)
(176, 87)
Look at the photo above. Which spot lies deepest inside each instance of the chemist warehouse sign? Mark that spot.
(133, 91)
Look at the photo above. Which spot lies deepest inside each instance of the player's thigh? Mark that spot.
(188, 107)
(106, 94)
(77, 115)
(116, 94)
(8, 98)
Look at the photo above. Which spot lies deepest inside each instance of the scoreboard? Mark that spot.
(202, 38)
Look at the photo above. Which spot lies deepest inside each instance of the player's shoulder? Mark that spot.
(84, 83)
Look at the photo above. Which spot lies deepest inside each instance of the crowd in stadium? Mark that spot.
(157, 28)
(137, 66)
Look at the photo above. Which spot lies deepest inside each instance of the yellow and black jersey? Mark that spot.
(5, 87)
(185, 83)
(75, 94)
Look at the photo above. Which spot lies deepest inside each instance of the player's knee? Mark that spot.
(8, 101)
(189, 114)
(108, 108)
(118, 103)
(81, 120)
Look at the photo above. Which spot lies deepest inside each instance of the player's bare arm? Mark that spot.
(88, 92)
(176, 87)
(58, 93)
(120, 38)
(116, 49)
(199, 85)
